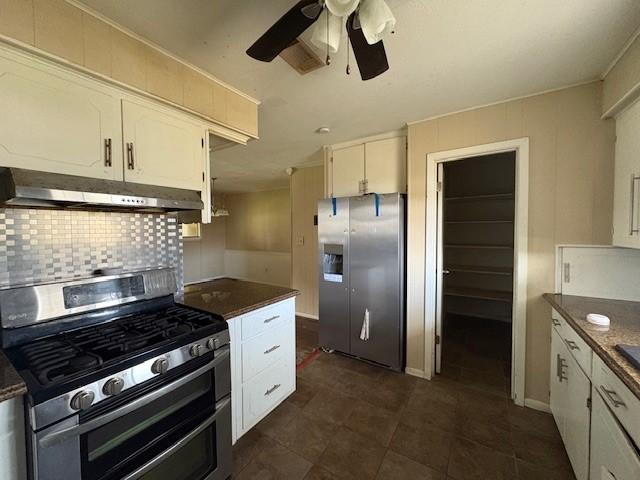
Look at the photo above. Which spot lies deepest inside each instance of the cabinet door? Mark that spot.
(55, 121)
(162, 148)
(385, 165)
(613, 456)
(626, 195)
(558, 387)
(347, 171)
(577, 419)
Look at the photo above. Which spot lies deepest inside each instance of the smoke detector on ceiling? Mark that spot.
(323, 130)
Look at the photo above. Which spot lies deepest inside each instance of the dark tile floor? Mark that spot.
(351, 420)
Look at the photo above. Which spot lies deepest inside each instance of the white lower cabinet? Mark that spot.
(570, 397)
(13, 464)
(263, 363)
(613, 456)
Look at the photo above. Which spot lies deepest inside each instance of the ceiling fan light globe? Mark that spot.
(376, 20)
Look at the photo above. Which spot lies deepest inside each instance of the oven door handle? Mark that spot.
(56, 435)
(220, 407)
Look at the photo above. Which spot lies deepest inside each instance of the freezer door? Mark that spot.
(376, 269)
(333, 251)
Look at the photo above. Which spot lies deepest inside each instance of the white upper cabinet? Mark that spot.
(626, 197)
(348, 170)
(56, 121)
(370, 167)
(162, 148)
(385, 165)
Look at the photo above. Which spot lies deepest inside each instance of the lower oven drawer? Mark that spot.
(265, 391)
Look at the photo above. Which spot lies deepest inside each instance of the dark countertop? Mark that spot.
(624, 328)
(227, 297)
(11, 384)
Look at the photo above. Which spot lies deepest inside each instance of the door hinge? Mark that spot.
(439, 186)
(437, 339)
(202, 141)
(202, 177)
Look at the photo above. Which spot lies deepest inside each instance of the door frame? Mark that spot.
(519, 313)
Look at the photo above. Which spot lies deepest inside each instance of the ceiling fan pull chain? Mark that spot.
(348, 59)
(328, 60)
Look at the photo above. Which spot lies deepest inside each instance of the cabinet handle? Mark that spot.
(556, 323)
(632, 209)
(130, 159)
(613, 397)
(572, 345)
(272, 389)
(271, 319)
(107, 152)
(560, 366)
(272, 349)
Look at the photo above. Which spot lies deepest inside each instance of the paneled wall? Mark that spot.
(204, 258)
(570, 198)
(259, 221)
(62, 29)
(307, 187)
(39, 245)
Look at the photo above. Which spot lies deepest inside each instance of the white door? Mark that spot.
(162, 148)
(440, 272)
(626, 194)
(55, 121)
(347, 171)
(385, 165)
(558, 387)
(613, 456)
(577, 418)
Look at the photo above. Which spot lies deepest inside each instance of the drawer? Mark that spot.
(264, 392)
(574, 342)
(272, 316)
(622, 402)
(259, 353)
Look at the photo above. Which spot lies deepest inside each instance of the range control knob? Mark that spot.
(113, 386)
(160, 366)
(82, 400)
(212, 343)
(195, 350)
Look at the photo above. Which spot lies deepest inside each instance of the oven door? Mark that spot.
(179, 430)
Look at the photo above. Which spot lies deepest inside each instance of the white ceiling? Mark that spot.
(446, 55)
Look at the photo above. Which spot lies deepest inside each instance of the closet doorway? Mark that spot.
(480, 259)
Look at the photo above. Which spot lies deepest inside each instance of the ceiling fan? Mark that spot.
(367, 23)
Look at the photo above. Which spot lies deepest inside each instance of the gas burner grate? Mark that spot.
(75, 353)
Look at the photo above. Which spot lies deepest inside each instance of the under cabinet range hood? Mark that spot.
(30, 188)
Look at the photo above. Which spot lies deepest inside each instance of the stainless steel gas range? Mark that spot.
(122, 382)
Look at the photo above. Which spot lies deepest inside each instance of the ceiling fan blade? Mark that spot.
(372, 59)
(286, 30)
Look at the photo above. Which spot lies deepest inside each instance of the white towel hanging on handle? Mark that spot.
(364, 331)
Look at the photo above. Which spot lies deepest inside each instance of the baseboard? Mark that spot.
(414, 372)
(537, 405)
(306, 315)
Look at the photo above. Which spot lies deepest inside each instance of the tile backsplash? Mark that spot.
(43, 245)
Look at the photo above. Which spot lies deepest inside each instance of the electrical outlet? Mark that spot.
(300, 241)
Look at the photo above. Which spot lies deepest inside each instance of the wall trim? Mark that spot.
(415, 372)
(621, 53)
(537, 405)
(306, 315)
(506, 100)
(433, 253)
(623, 102)
(401, 132)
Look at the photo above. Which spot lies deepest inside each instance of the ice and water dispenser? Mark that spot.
(332, 263)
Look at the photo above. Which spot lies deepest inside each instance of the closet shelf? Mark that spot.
(495, 295)
(484, 316)
(490, 247)
(480, 269)
(491, 196)
(478, 221)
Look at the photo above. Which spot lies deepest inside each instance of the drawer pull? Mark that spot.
(272, 389)
(271, 319)
(560, 366)
(272, 349)
(613, 397)
(556, 323)
(572, 345)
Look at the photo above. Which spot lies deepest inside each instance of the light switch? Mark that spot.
(300, 241)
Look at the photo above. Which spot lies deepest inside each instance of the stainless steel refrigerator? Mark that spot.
(362, 277)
